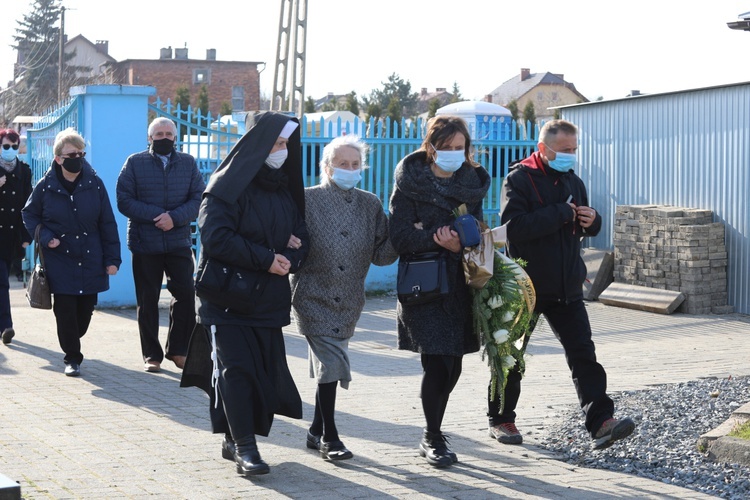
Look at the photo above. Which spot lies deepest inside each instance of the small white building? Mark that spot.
(332, 124)
(485, 120)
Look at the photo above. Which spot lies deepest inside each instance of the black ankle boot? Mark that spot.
(247, 458)
(227, 447)
(434, 449)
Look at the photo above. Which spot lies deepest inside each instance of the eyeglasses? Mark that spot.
(8, 146)
(79, 154)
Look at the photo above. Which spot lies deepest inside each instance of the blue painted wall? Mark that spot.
(115, 125)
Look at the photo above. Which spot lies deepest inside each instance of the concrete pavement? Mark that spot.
(118, 432)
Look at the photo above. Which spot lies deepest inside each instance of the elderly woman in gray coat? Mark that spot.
(348, 231)
(429, 185)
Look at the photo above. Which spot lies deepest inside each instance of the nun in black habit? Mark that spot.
(251, 224)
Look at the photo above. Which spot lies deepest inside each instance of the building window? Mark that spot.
(238, 98)
(201, 76)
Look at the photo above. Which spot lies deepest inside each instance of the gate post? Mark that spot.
(115, 125)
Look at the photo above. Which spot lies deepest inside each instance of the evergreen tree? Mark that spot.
(37, 42)
(432, 107)
(352, 104)
(181, 104)
(202, 110)
(401, 90)
(394, 113)
(372, 110)
(457, 97)
(513, 108)
(309, 105)
(529, 117)
(226, 108)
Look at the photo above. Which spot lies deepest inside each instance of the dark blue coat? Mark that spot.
(145, 189)
(85, 225)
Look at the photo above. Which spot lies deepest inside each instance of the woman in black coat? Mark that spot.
(252, 236)
(15, 188)
(79, 239)
(429, 185)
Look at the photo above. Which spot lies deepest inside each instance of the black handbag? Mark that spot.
(37, 291)
(422, 278)
(229, 287)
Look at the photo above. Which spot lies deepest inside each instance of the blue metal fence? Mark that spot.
(210, 138)
(41, 138)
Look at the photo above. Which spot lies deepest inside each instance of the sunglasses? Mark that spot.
(8, 146)
(80, 154)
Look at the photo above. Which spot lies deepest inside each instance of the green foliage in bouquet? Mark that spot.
(503, 321)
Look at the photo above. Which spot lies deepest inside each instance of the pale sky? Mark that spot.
(604, 48)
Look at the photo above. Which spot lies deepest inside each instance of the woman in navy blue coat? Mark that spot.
(79, 238)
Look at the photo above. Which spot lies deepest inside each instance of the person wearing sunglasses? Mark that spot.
(15, 188)
(79, 238)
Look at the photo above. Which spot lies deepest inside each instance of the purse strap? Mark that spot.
(37, 246)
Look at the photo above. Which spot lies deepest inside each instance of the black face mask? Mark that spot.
(73, 165)
(163, 146)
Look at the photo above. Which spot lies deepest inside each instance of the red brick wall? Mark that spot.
(169, 74)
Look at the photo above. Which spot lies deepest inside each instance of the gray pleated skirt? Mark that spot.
(329, 360)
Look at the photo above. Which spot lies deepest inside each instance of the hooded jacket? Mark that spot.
(445, 326)
(541, 230)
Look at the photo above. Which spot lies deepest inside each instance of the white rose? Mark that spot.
(509, 361)
(500, 336)
(495, 302)
(508, 316)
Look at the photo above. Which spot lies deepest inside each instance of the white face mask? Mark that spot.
(277, 159)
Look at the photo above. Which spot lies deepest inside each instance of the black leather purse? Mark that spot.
(422, 278)
(229, 287)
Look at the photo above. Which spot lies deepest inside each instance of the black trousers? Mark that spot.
(570, 324)
(6, 321)
(73, 316)
(439, 378)
(148, 272)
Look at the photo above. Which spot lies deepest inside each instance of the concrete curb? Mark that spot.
(724, 448)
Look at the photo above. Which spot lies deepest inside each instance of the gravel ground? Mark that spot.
(670, 419)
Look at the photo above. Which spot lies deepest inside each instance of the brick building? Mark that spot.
(236, 83)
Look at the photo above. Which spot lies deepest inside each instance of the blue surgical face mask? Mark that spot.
(563, 162)
(9, 154)
(346, 179)
(277, 159)
(449, 161)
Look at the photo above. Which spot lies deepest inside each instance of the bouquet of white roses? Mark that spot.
(503, 320)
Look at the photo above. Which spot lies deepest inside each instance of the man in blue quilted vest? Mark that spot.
(159, 191)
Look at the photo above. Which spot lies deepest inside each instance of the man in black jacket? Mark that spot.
(159, 190)
(545, 207)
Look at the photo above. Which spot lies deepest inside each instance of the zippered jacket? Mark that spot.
(146, 189)
(541, 230)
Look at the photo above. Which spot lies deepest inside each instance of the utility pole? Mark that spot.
(290, 45)
(60, 56)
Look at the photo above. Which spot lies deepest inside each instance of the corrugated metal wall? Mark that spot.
(688, 149)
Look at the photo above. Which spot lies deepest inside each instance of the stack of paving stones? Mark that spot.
(673, 248)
